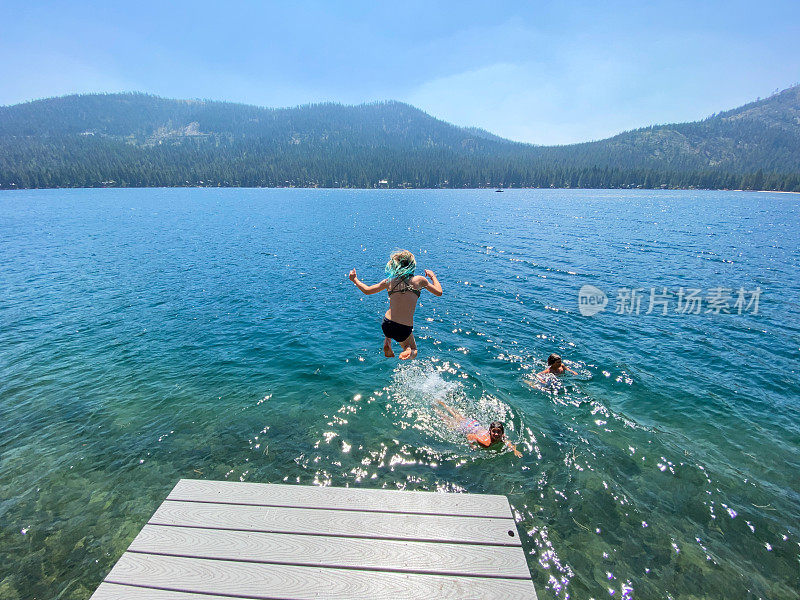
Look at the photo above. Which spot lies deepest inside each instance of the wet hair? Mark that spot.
(553, 359)
(497, 425)
(401, 265)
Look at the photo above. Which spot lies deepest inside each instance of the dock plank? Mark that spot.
(338, 523)
(264, 581)
(116, 591)
(298, 496)
(226, 540)
(367, 554)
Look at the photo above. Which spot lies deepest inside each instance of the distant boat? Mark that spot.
(498, 190)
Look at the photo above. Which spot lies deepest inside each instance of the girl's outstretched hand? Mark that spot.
(434, 287)
(352, 275)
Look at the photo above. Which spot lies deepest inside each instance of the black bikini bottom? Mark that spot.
(397, 331)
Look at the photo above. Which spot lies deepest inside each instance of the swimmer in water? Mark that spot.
(404, 289)
(474, 431)
(554, 366)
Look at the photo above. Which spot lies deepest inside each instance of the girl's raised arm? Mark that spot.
(367, 289)
(434, 287)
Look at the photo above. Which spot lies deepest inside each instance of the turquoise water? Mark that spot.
(148, 335)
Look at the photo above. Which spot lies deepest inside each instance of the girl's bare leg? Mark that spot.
(387, 348)
(451, 422)
(457, 416)
(409, 348)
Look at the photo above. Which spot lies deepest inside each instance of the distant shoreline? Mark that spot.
(298, 187)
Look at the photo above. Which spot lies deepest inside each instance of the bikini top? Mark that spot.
(402, 287)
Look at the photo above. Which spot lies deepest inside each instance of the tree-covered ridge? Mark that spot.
(141, 140)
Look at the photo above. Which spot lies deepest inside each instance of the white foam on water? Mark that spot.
(421, 384)
(418, 387)
(414, 394)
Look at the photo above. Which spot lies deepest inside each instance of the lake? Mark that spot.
(152, 334)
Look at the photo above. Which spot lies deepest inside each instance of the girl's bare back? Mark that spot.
(403, 296)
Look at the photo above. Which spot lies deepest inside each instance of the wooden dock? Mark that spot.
(214, 540)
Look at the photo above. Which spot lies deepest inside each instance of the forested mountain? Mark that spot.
(141, 140)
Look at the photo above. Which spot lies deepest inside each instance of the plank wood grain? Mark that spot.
(253, 580)
(380, 555)
(224, 540)
(115, 591)
(469, 530)
(302, 496)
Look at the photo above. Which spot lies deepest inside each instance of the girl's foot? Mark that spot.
(387, 349)
(408, 353)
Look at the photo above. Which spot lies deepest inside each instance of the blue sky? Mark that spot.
(547, 73)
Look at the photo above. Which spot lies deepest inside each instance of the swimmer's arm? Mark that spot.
(517, 453)
(367, 289)
(433, 286)
(570, 370)
(475, 441)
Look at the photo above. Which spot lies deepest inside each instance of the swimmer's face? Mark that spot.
(496, 434)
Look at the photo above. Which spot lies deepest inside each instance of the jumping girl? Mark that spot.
(404, 289)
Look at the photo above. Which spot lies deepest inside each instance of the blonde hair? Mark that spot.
(401, 265)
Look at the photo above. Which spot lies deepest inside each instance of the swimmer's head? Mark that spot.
(554, 360)
(496, 431)
(401, 265)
